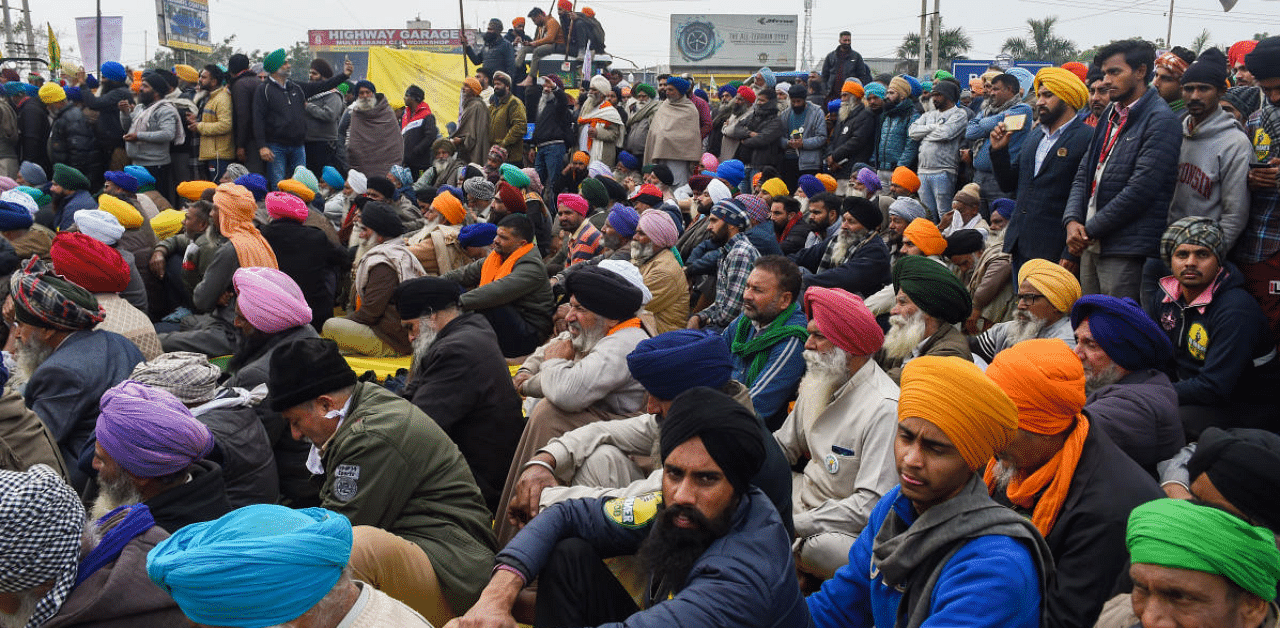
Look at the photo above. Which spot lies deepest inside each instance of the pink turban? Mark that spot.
(709, 162)
(844, 319)
(7, 184)
(148, 432)
(573, 201)
(657, 224)
(285, 205)
(270, 300)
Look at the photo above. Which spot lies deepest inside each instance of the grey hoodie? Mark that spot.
(939, 134)
(152, 146)
(1212, 171)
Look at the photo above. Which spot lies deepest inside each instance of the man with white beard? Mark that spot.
(460, 379)
(929, 301)
(44, 538)
(580, 376)
(1046, 292)
(844, 423)
(856, 258)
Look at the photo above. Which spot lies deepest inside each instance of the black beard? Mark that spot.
(490, 38)
(247, 348)
(146, 98)
(669, 553)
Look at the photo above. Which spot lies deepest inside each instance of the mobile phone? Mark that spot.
(1260, 164)
(1015, 123)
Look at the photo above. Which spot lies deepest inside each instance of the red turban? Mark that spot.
(844, 319)
(1237, 51)
(89, 263)
(511, 198)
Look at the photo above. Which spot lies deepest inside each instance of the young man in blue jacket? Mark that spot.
(937, 549)
(715, 550)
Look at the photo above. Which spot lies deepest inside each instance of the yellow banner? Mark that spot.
(393, 70)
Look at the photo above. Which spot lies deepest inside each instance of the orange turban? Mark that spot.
(581, 157)
(953, 394)
(854, 88)
(236, 208)
(1076, 68)
(450, 208)
(904, 177)
(827, 180)
(1045, 379)
(925, 235)
(296, 188)
(473, 84)
(192, 190)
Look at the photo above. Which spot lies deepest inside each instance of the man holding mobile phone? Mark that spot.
(1258, 251)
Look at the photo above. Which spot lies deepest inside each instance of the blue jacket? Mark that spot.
(893, 147)
(65, 218)
(991, 581)
(1137, 185)
(745, 578)
(864, 272)
(1035, 229)
(980, 129)
(64, 391)
(706, 256)
(776, 385)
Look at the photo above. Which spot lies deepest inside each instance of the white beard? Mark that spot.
(856, 193)
(804, 206)
(846, 108)
(641, 253)
(824, 374)
(843, 244)
(1093, 380)
(1003, 476)
(584, 339)
(31, 354)
(1024, 326)
(904, 334)
(364, 104)
(113, 494)
(426, 336)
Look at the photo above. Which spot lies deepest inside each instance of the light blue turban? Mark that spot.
(258, 566)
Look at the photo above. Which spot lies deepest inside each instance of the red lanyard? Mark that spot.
(1108, 144)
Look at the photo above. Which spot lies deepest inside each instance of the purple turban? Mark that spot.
(269, 299)
(870, 180)
(148, 432)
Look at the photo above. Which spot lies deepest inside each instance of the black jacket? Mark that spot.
(1087, 540)
(554, 121)
(864, 272)
(764, 149)
(495, 56)
(204, 498)
(835, 70)
(418, 139)
(1035, 229)
(307, 256)
(249, 466)
(1140, 414)
(463, 384)
(854, 141)
(279, 113)
(72, 142)
(33, 131)
(109, 131)
(243, 87)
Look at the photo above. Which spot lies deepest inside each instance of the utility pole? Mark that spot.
(8, 29)
(806, 49)
(924, 13)
(98, 24)
(1168, 37)
(31, 37)
(937, 26)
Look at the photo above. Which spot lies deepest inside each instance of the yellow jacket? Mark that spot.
(214, 127)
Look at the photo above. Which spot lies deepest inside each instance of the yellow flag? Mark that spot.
(55, 52)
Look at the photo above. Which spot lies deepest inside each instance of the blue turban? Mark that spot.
(14, 88)
(727, 89)
(926, 86)
(628, 160)
(31, 90)
(731, 170)
(1004, 207)
(681, 85)
(14, 216)
(480, 234)
(73, 93)
(1025, 79)
(123, 180)
(113, 70)
(914, 82)
(456, 192)
(833, 106)
(333, 178)
(733, 213)
(33, 173)
(623, 219)
(811, 185)
(255, 183)
(876, 89)
(367, 85)
(700, 93)
(258, 566)
(403, 175)
(671, 363)
(1123, 330)
(141, 174)
(770, 80)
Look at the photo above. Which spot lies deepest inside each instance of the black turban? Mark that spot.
(422, 295)
(864, 211)
(382, 185)
(604, 292)
(1244, 465)
(1264, 61)
(302, 370)
(382, 218)
(964, 241)
(663, 172)
(616, 192)
(729, 431)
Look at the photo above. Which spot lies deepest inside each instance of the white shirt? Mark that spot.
(1042, 150)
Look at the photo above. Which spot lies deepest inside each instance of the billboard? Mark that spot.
(733, 41)
(184, 24)
(966, 69)
(353, 40)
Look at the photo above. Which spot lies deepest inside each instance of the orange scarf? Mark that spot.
(629, 323)
(495, 268)
(1055, 474)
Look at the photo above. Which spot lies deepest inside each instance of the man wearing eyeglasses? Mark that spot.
(1046, 292)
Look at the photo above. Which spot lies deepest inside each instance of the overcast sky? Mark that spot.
(639, 30)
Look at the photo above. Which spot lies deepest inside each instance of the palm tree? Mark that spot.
(1043, 45)
(953, 43)
(1200, 42)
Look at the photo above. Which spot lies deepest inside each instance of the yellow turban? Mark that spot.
(1053, 281)
(128, 215)
(168, 223)
(186, 73)
(193, 190)
(775, 187)
(953, 394)
(296, 188)
(1064, 84)
(925, 235)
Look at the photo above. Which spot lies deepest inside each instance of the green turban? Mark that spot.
(69, 177)
(933, 288)
(593, 190)
(515, 176)
(274, 61)
(646, 89)
(1179, 534)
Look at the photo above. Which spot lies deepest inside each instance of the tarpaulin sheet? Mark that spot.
(393, 70)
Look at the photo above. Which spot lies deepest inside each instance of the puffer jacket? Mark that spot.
(854, 141)
(764, 149)
(1136, 186)
(496, 56)
(72, 141)
(894, 148)
(812, 130)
